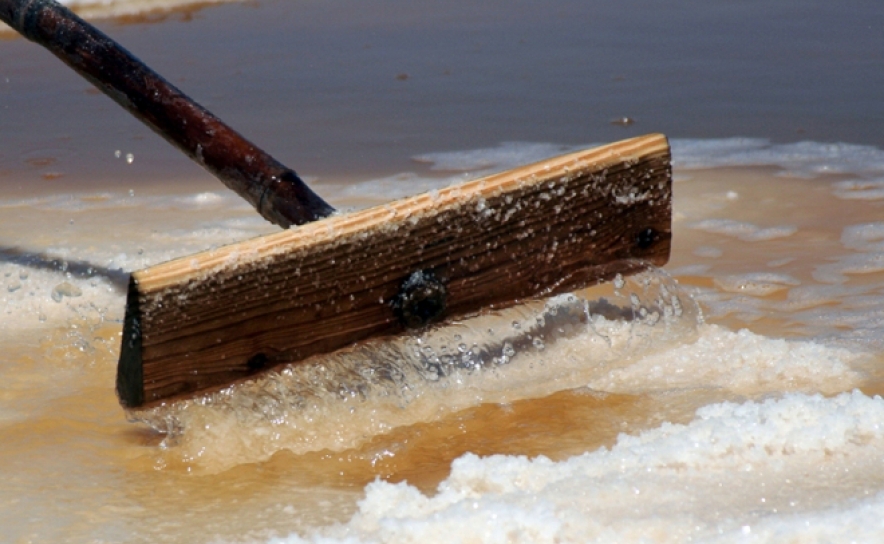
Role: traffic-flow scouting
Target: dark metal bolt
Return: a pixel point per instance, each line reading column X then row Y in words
column 257, row 362
column 645, row 238
column 421, row 299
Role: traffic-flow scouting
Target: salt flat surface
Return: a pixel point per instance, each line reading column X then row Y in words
column 768, row 471
column 752, row 417
column 767, row 466
column 732, row 397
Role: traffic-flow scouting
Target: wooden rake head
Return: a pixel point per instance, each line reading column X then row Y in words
column 207, row 320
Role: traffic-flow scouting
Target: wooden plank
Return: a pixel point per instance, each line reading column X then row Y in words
column 208, row 320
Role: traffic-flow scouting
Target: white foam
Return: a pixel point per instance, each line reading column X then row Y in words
column 741, row 362
column 744, row 231
column 118, row 8
column 709, row 252
column 737, row 469
column 75, row 248
column 800, row 159
column 809, row 296
column 336, row 409
column 99, row 9
column 864, row 237
column 502, row 157
column 691, row 270
column 398, row 186
column 717, row 304
column 852, row 264
column 460, row 166
column 872, row 189
column 757, row 284
column 338, row 401
column 776, row 263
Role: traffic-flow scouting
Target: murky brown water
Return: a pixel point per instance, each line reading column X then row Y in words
column 75, row 470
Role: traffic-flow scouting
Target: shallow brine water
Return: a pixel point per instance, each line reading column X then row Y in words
column 729, row 396
column 293, row 453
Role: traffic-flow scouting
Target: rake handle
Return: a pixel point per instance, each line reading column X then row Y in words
column 276, row 191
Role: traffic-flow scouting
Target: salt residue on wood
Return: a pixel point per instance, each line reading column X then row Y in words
column 541, row 229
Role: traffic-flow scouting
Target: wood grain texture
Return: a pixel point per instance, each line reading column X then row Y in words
column 208, row 320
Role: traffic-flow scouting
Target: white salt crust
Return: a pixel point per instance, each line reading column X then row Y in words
column 801, row 159
column 738, row 471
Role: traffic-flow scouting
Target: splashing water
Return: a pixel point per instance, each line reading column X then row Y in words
column 338, row 401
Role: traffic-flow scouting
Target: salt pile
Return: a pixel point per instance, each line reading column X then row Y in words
column 738, row 471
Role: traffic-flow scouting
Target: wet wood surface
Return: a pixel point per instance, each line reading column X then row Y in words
column 211, row 319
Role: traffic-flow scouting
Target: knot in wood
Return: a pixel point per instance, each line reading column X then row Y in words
column 421, row 299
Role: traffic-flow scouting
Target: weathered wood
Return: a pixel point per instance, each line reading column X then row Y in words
column 208, row 320
column 276, row 192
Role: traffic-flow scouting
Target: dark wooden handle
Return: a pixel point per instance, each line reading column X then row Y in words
column 276, row 191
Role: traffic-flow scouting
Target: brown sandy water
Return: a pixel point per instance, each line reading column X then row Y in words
column 74, row 470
